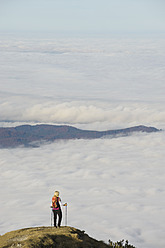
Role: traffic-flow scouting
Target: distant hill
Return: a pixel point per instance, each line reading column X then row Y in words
column 63, row 237
column 28, row 135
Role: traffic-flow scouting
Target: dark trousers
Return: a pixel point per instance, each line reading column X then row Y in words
column 59, row 213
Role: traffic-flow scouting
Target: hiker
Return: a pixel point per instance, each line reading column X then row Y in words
column 56, row 208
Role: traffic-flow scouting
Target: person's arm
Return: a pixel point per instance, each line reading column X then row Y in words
column 60, row 201
column 65, row 204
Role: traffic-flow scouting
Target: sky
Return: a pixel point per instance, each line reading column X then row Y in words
column 98, row 82
column 88, row 16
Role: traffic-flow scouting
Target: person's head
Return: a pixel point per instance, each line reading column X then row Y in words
column 56, row 193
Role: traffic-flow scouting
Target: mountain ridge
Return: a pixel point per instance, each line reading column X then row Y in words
column 27, row 135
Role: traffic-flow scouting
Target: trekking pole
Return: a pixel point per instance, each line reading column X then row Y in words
column 65, row 213
column 51, row 216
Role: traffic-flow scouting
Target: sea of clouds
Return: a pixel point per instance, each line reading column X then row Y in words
column 114, row 187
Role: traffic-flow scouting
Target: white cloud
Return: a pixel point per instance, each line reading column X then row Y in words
column 89, row 114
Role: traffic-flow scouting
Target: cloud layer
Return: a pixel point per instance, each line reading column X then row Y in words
column 118, row 82
column 89, row 114
column 102, row 69
column 113, row 185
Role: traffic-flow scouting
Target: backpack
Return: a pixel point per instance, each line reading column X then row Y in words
column 55, row 203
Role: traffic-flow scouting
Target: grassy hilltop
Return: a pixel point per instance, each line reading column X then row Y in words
column 64, row 237
column 51, row 237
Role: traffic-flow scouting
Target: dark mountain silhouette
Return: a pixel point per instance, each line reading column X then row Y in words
column 28, row 135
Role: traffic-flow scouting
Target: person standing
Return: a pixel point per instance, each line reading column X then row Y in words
column 57, row 208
